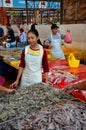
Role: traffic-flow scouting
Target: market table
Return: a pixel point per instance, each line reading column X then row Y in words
column 79, row 72
column 10, row 56
column 14, row 64
column 62, row 65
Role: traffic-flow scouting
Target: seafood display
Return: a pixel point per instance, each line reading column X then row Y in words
column 67, row 116
column 56, row 76
column 29, row 99
column 8, row 53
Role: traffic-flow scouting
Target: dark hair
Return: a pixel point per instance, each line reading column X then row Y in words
column 21, row 30
column 34, row 31
column 8, row 24
column 33, row 26
column 54, row 26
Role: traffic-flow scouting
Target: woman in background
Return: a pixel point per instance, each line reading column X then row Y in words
column 1, row 32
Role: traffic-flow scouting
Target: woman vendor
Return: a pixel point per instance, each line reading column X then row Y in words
column 33, row 59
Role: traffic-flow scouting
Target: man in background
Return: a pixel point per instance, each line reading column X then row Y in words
column 1, row 32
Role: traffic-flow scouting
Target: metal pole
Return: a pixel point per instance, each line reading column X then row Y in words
column 26, row 10
column 61, row 11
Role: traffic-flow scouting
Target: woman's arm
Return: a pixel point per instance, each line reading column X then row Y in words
column 19, row 74
column 4, row 89
column 45, row 66
column 15, row 84
column 80, row 85
column 21, row 66
column 47, row 43
column 46, row 77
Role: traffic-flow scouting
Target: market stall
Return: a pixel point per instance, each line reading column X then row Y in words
column 41, row 106
column 29, row 99
column 78, row 53
column 12, row 55
column 9, row 57
column 60, row 74
column 36, row 107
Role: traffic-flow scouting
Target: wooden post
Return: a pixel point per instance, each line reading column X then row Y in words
column 61, row 11
column 3, row 16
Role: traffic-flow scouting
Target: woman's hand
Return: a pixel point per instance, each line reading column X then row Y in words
column 79, row 85
column 48, row 82
column 10, row 90
column 14, row 85
column 68, row 89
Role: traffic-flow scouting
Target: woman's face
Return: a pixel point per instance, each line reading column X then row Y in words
column 32, row 38
column 54, row 30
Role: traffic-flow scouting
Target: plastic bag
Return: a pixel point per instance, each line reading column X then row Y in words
column 73, row 62
column 67, row 38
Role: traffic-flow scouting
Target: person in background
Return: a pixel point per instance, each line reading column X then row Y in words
column 23, row 37
column 1, row 32
column 32, row 26
column 8, row 90
column 54, row 42
column 33, row 59
column 10, row 35
column 18, row 34
column 19, row 28
column 26, row 27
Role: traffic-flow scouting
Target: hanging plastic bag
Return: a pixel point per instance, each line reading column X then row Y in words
column 67, row 38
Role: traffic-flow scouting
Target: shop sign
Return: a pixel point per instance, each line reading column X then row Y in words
column 19, row 4
column 7, row 3
column 30, row 4
column 14, row 12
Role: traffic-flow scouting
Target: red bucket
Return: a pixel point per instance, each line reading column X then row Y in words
column 2, row 80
